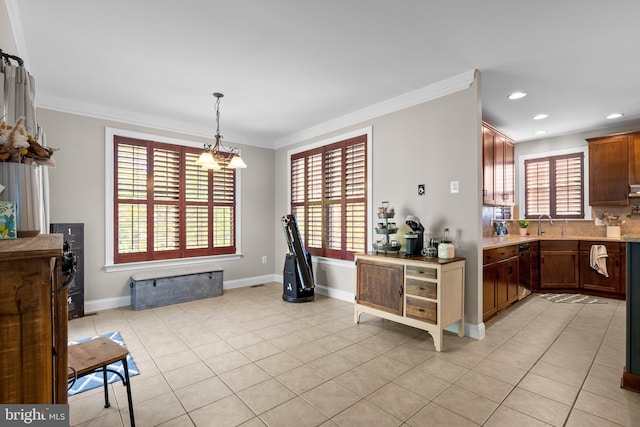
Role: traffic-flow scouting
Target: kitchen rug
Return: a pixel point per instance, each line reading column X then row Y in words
column 572, row 298
column 94, row 380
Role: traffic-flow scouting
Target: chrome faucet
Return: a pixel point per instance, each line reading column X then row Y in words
column 540, row 223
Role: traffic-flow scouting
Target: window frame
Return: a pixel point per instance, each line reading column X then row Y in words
column 110, row 232
column 552, row 158
column 328, row 254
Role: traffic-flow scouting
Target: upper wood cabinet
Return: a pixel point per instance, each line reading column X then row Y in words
column 498, row 168
column 634, row 158
column 609, row 171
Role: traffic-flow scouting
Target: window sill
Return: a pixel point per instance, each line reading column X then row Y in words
column 132, row 266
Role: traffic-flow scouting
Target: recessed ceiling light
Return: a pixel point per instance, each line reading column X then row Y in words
column 540, row 132
column 615, row 115
column 517, row 95
column 540, row 116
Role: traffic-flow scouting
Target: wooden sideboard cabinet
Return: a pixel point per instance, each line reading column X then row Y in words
column 33, row 322
column 421, row 292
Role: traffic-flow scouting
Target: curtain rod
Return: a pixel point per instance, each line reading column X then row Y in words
column 6, row 57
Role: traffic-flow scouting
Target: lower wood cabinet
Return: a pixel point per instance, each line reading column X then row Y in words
column 489, row 301
column 500, row 279
column 559, row 264
column 421, row 292
column 616, row 268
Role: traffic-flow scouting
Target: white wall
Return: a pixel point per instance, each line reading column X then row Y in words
column 432, row 143
column 77, row 187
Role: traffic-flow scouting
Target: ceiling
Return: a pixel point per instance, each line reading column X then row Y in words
column 286, row 66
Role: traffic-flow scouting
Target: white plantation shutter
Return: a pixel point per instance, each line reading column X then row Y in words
column 131, row 190
column 166, row 206
column 538, row 187
column 196, row 195
column 356, row 197
column 224, row 208
column 554, row 186
column 569, row 192
column 328, row 198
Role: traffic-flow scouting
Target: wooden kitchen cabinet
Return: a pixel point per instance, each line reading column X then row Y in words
column 498, row 163
column 488, row 166
column 421, row 292
column 591, row 280
column 634, row 158
column 609, row 170
column 489, row 300
column 559, row 264
column 499, row 279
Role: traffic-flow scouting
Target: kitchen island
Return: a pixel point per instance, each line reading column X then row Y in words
column 631, row 374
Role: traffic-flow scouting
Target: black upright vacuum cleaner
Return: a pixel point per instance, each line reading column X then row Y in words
column 298, row 283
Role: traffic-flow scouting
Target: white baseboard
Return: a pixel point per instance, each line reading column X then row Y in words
column 107, row 303
column 251, row 281
column 474, row 331
column 336, row 293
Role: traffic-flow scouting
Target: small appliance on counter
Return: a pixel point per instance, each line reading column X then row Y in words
column 446, row 249
column 414, row 237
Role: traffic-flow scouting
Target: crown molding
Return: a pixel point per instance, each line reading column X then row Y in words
column 433, row 91
column 66, row 105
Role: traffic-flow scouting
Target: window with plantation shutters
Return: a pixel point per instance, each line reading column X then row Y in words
column 554, row 186
column 329, row 198
column 166, row 206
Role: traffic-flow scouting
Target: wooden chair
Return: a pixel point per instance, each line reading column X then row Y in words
column 95, row 355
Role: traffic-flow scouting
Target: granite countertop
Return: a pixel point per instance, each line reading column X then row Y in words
column 510, row 239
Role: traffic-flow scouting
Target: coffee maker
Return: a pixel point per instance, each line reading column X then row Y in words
column 415, row 237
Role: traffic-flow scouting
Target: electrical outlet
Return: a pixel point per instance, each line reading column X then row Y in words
column 264, row 259
column 454, row 186
column 421, row 190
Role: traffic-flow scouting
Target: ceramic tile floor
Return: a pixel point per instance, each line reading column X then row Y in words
column 248, row 358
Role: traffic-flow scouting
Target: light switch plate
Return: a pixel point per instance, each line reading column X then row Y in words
column 454, row 186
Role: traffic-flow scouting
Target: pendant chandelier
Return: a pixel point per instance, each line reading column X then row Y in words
column 218, row 156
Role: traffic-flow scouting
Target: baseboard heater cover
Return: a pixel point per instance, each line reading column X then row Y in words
column 160, row 288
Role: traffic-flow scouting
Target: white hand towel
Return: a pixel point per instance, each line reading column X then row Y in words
column 598, row 259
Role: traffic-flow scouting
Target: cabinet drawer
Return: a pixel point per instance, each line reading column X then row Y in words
column 506, row 252
column 558, row 245
column 420, row 309
column 585, row 245
column 422, row 288
column 490, row 256
column 422, row 271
